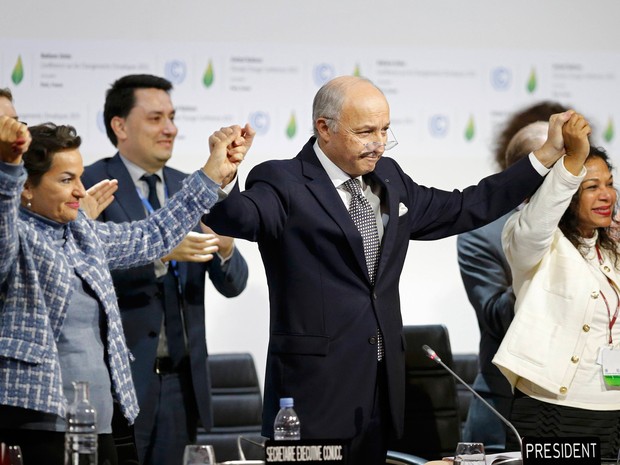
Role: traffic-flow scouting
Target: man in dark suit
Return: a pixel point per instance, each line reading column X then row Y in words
column 336, row 342
column 162, row 304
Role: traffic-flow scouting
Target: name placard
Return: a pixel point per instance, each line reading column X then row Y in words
column 315, row 451
column 573, row 450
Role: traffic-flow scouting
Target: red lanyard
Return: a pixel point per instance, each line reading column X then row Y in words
column 612, row 321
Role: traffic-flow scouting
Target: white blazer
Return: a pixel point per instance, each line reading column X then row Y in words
column 556, row 293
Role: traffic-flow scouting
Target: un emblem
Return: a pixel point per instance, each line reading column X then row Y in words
column 501, row 78
column 438, row 126
column 175, row 71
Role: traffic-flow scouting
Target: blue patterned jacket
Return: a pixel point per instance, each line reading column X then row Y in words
column 35, row 286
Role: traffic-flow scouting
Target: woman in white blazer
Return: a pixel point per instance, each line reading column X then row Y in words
column 566, row 278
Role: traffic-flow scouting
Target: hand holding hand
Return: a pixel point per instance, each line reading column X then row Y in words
column 228, row 148
column 195, row 247
column 553, row 148
column 14, row 140
column 99, row 197
column 575, row 133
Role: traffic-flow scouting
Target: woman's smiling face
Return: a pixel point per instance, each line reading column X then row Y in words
column 58, row 194
column 597, row 197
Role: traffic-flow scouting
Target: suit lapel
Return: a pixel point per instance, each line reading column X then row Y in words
column 391, row 200
column 173, row 180
column 126, row 196
column 323, row 190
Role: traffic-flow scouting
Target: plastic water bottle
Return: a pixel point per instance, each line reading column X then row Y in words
column 286, row 426
column 81, row 434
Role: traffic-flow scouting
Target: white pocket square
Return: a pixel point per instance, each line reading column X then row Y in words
column 402, row 209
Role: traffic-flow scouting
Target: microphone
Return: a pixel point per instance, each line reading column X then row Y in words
column 430, row 353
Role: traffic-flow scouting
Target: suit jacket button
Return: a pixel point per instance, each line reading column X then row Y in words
column 374, row 295
column 152, row 334
column 372, row 340
column 574, row 359
column 563, row 390
column 586, row 328
column 594, row 294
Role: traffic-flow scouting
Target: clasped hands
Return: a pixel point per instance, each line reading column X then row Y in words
column 568, row 135
column 200, row 247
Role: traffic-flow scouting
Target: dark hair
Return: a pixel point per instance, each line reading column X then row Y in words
column 538, row 112
column 47, row 140
column 120, row 98
column 7, row 94
column 569, row 223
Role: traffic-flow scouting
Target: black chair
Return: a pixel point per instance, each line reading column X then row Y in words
column 432, row 422
column 237, row 408
column 466, row 366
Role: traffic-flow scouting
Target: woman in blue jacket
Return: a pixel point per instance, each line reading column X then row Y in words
column 59, row 318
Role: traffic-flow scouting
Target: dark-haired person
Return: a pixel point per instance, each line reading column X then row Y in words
column 566, row 271
column 162, row 303
column 59, row 317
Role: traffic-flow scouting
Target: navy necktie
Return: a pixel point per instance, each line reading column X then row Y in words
column 172, row 309
column 152, row 180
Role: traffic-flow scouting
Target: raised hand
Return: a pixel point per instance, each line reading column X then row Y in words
column 575, row 133
column 14, row 140
column 99, row 197
column 553, row 148
column 228, row 148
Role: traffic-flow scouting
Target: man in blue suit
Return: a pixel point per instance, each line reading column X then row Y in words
column 162, row 304
column 336, row 342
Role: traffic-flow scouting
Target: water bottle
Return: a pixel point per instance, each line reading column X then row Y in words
column 81, row 434
column 286, row 426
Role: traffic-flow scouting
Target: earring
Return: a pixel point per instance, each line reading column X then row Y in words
column 29, row 204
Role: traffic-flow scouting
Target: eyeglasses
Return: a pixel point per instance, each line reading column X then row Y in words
column 372, row 145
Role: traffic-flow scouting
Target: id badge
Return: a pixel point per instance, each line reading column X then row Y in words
column 610, row 361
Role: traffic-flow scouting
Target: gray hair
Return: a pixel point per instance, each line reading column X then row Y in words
column 329, row 100
column 525, row 141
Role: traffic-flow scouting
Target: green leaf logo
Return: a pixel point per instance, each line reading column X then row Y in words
column 207, row 77
column 356, row 71
column 531, row 82
column 291, row 127
column 18, row 71
column 608, row 135
column 470, row 129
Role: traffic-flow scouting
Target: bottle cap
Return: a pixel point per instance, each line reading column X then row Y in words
column 286, row 402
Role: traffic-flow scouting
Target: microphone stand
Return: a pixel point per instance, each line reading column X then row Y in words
column 430, row 353
column 240, row 449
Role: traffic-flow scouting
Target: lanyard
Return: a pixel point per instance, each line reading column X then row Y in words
column 147, row 205
column 612, row 321
column 149, row 208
